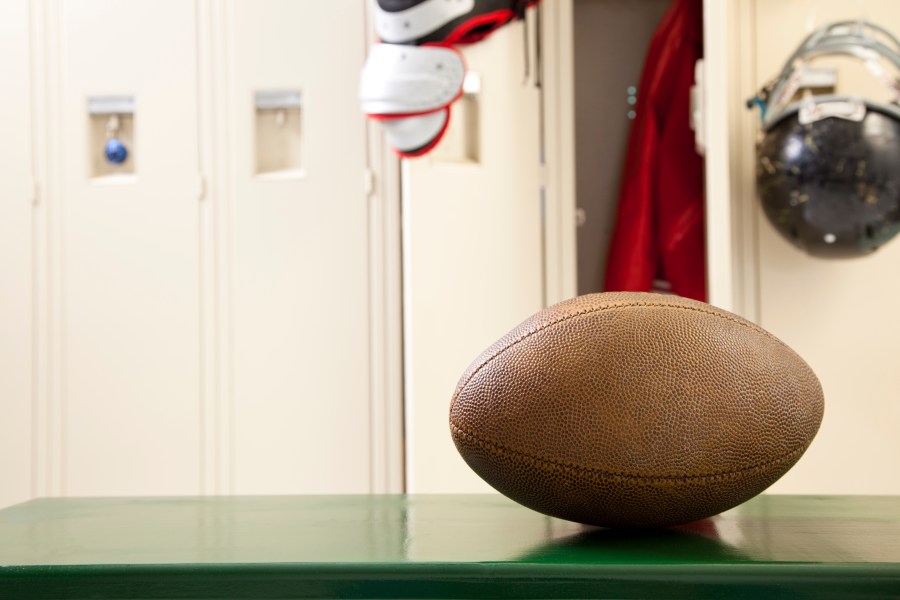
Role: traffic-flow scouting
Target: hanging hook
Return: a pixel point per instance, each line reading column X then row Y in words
column 114, row 150
column 112, row 126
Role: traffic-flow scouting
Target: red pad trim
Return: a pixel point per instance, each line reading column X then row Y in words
column 391, row 116
column 491, row 22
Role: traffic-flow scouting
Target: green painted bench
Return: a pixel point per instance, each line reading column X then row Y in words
column 439, row 547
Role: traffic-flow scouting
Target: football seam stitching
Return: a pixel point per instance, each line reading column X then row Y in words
column 581, row 313
column 574, row 467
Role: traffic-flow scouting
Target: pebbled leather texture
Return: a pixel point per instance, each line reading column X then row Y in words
column 635, row 410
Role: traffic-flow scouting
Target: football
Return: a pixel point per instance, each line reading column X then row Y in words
column 635, row 410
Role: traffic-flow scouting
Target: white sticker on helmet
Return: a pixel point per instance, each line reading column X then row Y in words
column 851, row 109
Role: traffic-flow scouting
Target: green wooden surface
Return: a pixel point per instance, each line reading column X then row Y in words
column 439, row 547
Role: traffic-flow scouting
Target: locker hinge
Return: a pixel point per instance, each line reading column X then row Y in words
column 201, row 186
column 368, row 182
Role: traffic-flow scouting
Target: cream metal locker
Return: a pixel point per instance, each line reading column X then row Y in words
column 473, row 247
column 124, row 280
column 220, row 312
column 837, row 314
column 17, row 194
column 840, row 315
column 303, row 412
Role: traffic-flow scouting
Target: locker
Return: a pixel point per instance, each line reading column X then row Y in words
column 16, row 254
column 300, row 268
column 473, row 247
column 125, row 285
column 838, row 314
column 219, row 311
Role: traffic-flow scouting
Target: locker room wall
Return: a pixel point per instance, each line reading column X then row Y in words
column 840, row 316
column 197, row 328
column 63, row 432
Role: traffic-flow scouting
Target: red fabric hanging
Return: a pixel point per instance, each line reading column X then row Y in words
column 659, row 231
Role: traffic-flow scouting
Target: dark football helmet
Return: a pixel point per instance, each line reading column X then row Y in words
column 828, row 166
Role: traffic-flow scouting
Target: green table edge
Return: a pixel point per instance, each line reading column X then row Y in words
column 440, row 580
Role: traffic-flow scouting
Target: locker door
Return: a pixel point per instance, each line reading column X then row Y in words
column 472, row 250
column 124, row 274
column 300, row 280
column 15, row 256
column 839, row 315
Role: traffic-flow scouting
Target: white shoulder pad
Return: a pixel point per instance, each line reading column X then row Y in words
column 405, row 26
column 414, row 136
column 410, row 80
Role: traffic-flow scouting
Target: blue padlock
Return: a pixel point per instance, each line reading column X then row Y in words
column 116, row 152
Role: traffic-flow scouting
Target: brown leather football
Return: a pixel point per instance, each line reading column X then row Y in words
column 635, row 410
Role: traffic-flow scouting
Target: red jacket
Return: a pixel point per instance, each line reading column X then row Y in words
column 659, row 231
